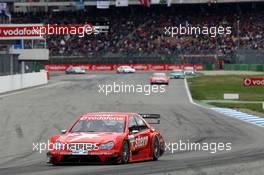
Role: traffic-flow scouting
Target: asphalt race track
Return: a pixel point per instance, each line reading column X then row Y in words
column 33, row 115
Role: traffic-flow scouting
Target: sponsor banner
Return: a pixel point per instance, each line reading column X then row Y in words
column 56, row 67
column 102, row 117
column 253, row 81
column 17, row 31
column 174, row 66
column 141, row 66
column 158, row 66
column 102, row 67
column 198, row 66
column 113, row 67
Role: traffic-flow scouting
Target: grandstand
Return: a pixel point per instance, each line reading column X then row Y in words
column 136, row 33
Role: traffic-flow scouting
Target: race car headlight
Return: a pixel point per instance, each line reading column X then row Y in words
column 107, row 146
column 58, row 145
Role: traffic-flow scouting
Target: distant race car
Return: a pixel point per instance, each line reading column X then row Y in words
column 177, row 73
column 159, row 78
column 108, row 137
column 189, row 71
column 75, row 70
column 125, row 69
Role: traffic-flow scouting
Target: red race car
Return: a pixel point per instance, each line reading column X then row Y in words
column 159, row 78
column 110, row 137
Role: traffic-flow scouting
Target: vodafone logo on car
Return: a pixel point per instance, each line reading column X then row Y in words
column 253, row 81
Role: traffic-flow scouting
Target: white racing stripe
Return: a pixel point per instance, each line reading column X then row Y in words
column 241, row 116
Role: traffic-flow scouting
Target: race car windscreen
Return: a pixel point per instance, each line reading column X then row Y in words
column 99, row 126
column 159, row 75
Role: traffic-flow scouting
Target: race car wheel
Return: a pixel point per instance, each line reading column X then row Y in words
column 125, row 153
column 156, row 149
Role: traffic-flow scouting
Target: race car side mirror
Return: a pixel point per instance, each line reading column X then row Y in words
column 63, row 131
column 152, row 129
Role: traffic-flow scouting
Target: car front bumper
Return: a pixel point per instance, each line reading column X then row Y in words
column 92, row 157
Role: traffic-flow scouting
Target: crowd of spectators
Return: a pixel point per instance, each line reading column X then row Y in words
column 138, row 31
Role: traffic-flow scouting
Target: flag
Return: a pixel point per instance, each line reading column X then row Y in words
column 168, row 3
column 103, row 4
column 121, row 3
column 3, row 7
column 155, row 1
column 4, row 10
column 163, row 1
column 80, row 5
column 8, row 14
column 145, row 3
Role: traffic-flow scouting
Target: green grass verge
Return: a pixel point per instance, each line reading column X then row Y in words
column 213, row 87
column 251, row 106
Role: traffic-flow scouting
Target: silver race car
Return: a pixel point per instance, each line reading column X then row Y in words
column 125, row 69
column 75, row 70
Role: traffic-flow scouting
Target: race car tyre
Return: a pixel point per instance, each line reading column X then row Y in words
column 156, row 149
column 125, row 153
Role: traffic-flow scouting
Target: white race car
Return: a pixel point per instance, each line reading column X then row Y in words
column 75, row 70
column 125, row 69
column 189, row 71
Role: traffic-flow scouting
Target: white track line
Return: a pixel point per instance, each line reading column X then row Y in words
column 255, row 120
column 190, row 96
column 32, row 89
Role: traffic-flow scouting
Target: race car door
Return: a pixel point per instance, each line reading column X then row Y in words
column 139, row 138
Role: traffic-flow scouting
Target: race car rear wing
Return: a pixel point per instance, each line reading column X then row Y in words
column 154, row 118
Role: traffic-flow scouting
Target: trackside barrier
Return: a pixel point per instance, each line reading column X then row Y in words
column 244, row 67
column 113, row 67
column 21, row 81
